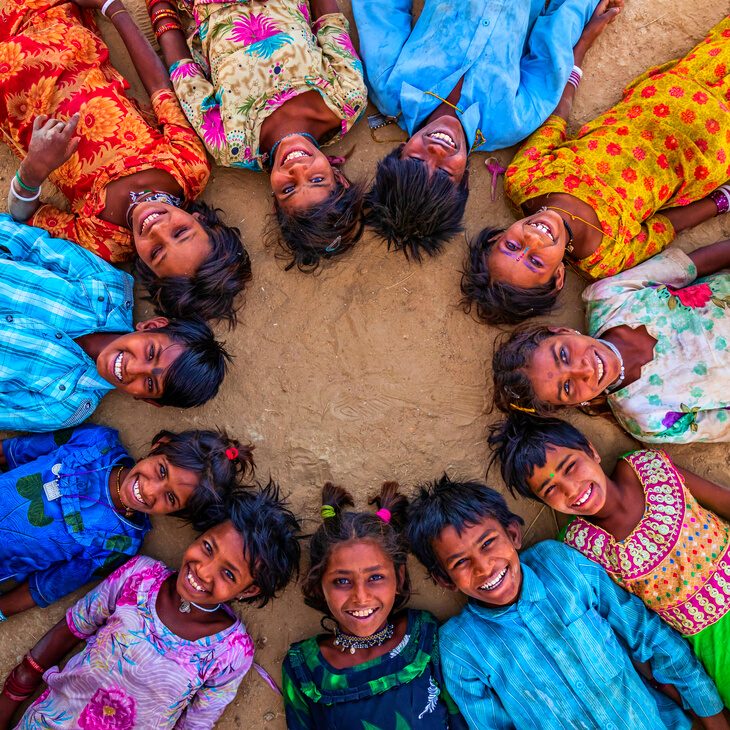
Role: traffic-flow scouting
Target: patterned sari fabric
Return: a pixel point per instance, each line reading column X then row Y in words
column 53, row 61
column 251, row 58
column 676, row 560
column 666, row 144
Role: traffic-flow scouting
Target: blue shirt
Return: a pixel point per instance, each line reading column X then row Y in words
column 52, row 291
column 561, row 656
column 58, row 527
column 514, row 55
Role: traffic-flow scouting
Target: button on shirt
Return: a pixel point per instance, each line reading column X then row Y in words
column 52, row 291
column 515, row 58
column 557, row 658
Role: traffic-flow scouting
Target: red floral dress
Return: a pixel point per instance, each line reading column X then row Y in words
column 54, row 61
column 666, row 144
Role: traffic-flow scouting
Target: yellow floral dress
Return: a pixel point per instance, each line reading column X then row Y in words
column 253, row 56
column 666, row 144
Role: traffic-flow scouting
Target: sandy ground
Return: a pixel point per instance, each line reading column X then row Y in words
column 369, row 371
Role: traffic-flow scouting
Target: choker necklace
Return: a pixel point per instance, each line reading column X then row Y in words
column 185, row 607
column 147, row 196
column 353, row 643
column 616, row 384
column 293, row 134
column 128, row 511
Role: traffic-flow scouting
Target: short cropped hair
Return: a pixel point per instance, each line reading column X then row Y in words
column 197, row 373
column 212, row 290
column 520, row 444
column 270, row 533
column 414, row 212
column 497, row 302
column 458, row 504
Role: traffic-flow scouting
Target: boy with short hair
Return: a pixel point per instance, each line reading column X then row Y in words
column 67, row 337
column 547, row 639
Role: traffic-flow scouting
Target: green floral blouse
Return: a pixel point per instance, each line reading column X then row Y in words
column 683, row 394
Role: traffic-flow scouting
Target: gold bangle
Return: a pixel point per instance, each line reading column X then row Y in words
column 123, row 10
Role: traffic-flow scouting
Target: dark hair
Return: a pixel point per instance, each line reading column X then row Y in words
column 458, row 504
column 211, row 291
column 322, row 231
column 520, row 443
column 498, row 302
column 196, row 374
column 512, row 387
column 413, row 212
column 346, row 526
column 210, row 455
column 270, row 533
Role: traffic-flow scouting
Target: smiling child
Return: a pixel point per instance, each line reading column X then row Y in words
column 548, row 625
column 660, row 531
column 75, row 504
column 162, row 648
column 379, row 668
column 66, row 337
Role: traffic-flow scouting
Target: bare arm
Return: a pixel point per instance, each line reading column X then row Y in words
column 323, row 7
column 710, row 495
column 712, row 258
column 689, row 216
column 172, row 42
column 17, row 600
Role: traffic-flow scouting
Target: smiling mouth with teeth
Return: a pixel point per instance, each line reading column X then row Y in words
column 148, row 219
column 194, row 583
column 545, row 229
column 586, row 496
column 362, row 614
column 137, row 493
column 443, row 137
column 295, row 155
column 600, row 367
column 118, row 366
column 494, row 583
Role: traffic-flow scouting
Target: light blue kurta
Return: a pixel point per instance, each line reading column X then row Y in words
column 514, row 55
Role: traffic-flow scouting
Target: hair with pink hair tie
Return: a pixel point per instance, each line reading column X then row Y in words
column 336, row 160
column 232, row 453
column 384, row 514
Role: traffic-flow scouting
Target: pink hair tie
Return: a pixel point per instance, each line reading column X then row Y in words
column 384, row 514
column 336, row 160
column 232, row 453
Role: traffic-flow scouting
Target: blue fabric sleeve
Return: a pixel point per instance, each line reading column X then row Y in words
column 647, row 637
column 24, row 449
column 59, row 580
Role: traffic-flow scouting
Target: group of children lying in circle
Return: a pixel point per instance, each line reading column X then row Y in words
column 587, row 633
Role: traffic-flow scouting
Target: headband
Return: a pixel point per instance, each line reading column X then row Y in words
column 328, row 511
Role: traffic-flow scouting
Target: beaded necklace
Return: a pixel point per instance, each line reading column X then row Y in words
column 293, row 134
column 353, row 643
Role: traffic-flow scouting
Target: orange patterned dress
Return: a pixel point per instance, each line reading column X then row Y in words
column 666, row 144
column 54, row 61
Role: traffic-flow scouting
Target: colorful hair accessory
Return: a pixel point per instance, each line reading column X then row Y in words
column 334, row 245
column 232, row 453
column 384, row 514
column 328, row 511
column 520, row 408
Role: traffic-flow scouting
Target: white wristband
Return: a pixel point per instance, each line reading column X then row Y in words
column 578, row 70
column 19, row 196
column 105, row 6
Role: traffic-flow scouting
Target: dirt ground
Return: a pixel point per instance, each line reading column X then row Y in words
column 369, row 371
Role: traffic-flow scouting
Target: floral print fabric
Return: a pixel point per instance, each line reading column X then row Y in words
column 53, row 61
column 665, row 144
column 134, row 672
column 682, row 394
column 251, row 58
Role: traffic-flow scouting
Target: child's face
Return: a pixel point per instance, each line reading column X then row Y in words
column 157, row 487
column 441, row 146
column 214, row 569
column 360, row 585
column 570, row 368
column 530, row 252
column 571, row 481
column 482, row 562
column 136, row 363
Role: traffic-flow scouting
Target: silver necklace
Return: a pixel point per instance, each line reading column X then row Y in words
column 353, row 643
column 616, row 384
column 185, row 607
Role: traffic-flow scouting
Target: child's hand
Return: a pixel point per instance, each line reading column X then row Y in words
column 51, row 144
column 606, row 12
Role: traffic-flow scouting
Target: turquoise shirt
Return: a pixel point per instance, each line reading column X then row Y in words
column 514, row 55
column 560, row 658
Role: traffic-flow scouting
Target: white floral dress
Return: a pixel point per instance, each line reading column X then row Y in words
column 251, row 57
column 134, row 673
column 683, row 394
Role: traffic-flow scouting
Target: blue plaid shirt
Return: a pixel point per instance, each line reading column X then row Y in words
column 52, row 291
column 560, row 658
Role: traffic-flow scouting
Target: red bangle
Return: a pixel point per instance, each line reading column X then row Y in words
column 164, row 28
column 33, row 663
column 151, row 3
column 160, row 14
column 17, row 690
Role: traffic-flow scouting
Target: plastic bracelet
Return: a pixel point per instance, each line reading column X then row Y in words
column 3, row 617
column 154, row 2
column 20, row 197
column 160, row 14
column 123, row 10
column 165, row 28
column 105, row 6
column 23, row 185
column 33, row 664
column 721, row 198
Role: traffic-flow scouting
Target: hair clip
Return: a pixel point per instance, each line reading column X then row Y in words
column 334, row 245
column 520, row 408
column 328, row 511
column 384, row 514
column 232, row 453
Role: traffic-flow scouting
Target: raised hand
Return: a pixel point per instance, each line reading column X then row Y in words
column 606, row 12
column 51, row 144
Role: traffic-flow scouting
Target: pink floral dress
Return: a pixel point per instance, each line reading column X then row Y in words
column 134, row 672
column 253, row 56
